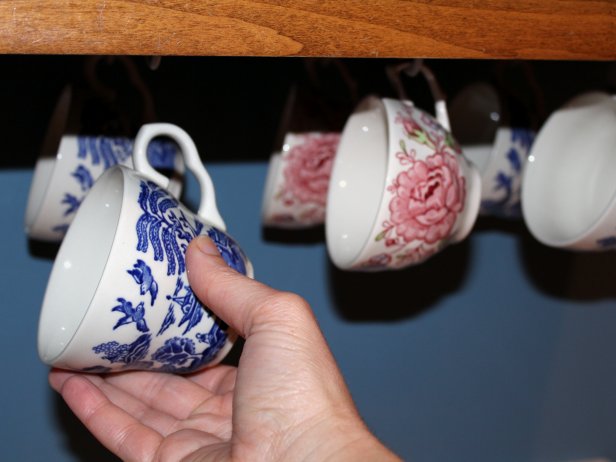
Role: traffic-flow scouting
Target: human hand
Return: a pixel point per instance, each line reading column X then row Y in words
column 285, row 401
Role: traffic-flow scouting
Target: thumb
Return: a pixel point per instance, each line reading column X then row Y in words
column 239, row 301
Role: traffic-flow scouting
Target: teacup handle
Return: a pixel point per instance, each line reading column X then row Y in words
column 207, row 207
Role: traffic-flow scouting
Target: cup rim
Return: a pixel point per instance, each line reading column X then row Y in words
column 81, row 219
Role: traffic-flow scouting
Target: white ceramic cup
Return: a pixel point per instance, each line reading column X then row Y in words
column 569, row 182
column 69, row 165
column 297, row 181
column 500, row 165
column 60, row 184
column 400, row 189
column 118, row 296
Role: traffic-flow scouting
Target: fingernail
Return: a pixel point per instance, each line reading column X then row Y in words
column 206, row 246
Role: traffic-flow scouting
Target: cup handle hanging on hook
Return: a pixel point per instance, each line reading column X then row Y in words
column 536, row 105
column 412, row 69
column 323, row 76
column 285, row 119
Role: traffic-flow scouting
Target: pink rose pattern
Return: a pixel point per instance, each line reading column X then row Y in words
column 426, row 199
column 307, row 169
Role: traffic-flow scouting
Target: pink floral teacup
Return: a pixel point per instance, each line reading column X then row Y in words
column 298, row 179
column 400, row 188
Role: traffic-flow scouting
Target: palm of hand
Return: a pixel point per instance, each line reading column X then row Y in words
column 148, row 416
column 211, row 415
column 286, row 400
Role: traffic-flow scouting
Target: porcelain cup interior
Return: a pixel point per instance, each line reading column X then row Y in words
column 357, row 182
column 568, row 185
column 272, row 180
column 79, row 266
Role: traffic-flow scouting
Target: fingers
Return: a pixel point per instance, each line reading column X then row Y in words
column 115, row 428
column 158, row 420
column 161, row 400
column 238, row 300
column 57, row 377
column 171, row 394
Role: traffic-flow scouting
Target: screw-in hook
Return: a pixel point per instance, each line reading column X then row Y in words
column 153, row 62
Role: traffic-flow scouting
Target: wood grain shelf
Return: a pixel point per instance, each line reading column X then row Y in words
column 501, row 29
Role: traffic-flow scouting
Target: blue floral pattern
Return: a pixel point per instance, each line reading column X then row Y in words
column 229, row 250
column 176, row 352
column 506, row 183
column 164, row 225
column 162, row 234
column 104, row 150
column 142, row 274
column 127, row 353
column 524, row 138
column 83, row 177
column 72, row 203
column 192, row 311
column 608, row 242
column 110, row 151
column 100, row 153
column 132, row 314
column 180, row 355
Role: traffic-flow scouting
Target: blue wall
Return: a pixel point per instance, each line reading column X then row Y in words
column 496, row 349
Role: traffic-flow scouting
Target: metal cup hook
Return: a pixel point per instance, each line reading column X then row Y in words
column 412, row 69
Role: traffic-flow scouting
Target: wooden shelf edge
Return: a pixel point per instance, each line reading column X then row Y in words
column 498, row 29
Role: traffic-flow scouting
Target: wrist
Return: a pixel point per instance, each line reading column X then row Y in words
column 346, row 439
column 367, row 449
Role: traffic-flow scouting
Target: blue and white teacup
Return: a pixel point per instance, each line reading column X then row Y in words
column 118, row 296
column 62, row 180
column 500, row 165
